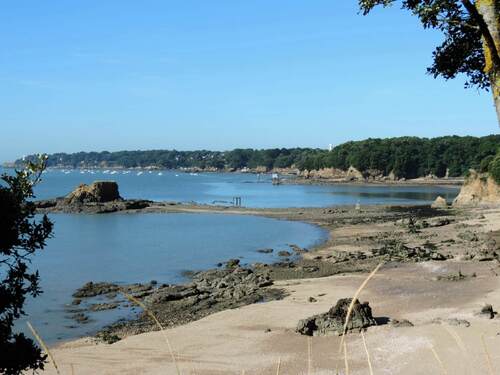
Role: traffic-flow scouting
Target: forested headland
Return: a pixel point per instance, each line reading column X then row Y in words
column 405, row 157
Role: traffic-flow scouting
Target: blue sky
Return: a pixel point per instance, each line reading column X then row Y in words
column 120, row 74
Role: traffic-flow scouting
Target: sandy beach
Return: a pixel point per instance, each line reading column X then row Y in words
column 448, row 335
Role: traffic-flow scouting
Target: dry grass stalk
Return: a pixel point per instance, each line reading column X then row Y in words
column 441, row 364
column 367, row 354
column 278, row 368
column 309, row 355
column 460, row 344
column 43, row 345
column 354, row 298
column 157, row 322
column 346, row 362
column 487, row 354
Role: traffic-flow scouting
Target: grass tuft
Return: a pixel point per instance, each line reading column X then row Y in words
column 157, row 322
column 43, row 345
column 367, row 354
column 351, row 305
column 487, row 354
column 346, row 362
column 441, row 364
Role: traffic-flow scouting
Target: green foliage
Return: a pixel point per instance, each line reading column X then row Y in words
column 494, row 168
column 485, row 163
column 407, row 157
column 21, row 235
column 462, row 49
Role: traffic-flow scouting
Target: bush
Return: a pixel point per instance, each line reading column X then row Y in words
column 494, row 168
column 485, row 163
column 21, row 235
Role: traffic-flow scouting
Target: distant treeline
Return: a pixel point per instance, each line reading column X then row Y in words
column 407, row 157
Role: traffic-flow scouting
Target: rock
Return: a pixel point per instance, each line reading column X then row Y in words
column 46, row 203
column 312, row 299
column 297, row 249
column 398, row 251
column 265, row 251
column 284, row 253
column 353, row 174
column 478, row 189
column 97, row 192
column 91, row 289
column 103, row 306
column 487, row 311
column 439, row 222
column 401, row 323
column 332, row 322
column 458, row 322
column 80, row 318
column 439, row 202
column 232, row 263
column 468, row 236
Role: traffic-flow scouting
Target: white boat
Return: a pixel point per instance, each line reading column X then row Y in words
column 139, row 173
column 160, row 174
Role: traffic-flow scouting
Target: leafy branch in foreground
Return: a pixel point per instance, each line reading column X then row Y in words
column 21, row 235
column 471, row 43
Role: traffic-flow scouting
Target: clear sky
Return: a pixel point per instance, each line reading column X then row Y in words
column 127, row 74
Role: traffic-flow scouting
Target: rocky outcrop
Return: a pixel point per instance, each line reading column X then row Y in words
column 96, row 198
column 97, row 192
column 478, row 189
column 333, row 321
column 440, row 202
column 353, row 174
column 206, row 293
column 325, row 173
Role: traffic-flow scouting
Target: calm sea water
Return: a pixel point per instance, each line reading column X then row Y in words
column 254, row 190
column 127, row 248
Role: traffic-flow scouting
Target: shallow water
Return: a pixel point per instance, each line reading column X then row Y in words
column 254, row 190
column 128, row 248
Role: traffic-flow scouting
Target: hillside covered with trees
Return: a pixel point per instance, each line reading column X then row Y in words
column 407, row 157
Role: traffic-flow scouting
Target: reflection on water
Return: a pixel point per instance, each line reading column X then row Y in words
column 126, row 248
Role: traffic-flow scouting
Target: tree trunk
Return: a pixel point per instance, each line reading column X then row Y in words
column 490, row 11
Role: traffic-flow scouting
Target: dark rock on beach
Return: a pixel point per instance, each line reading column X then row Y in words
column 207, row 292
column 333, row 321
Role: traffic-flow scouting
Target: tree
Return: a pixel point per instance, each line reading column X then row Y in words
column 472, row 38
column 21, row 235
column 494, row 168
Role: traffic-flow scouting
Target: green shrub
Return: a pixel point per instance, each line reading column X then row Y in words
column 485, row 163
column 494, row 168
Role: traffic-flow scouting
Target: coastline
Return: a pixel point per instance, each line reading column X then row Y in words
column 457, row 299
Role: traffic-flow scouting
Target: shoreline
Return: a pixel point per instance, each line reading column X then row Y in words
column 422, row 291
column 305, row 263
column 289, row 176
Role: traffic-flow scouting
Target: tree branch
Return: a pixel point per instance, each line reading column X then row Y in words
column 483, row 27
